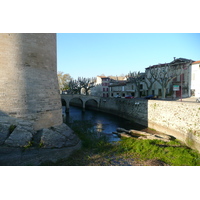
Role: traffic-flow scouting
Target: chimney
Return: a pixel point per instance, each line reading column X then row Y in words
column 174, row 58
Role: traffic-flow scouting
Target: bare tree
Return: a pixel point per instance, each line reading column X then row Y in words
column 148, row 81
column 86, row 84
column 165, row 73
column 136, row 78
column 81, row 83
column 74, row 87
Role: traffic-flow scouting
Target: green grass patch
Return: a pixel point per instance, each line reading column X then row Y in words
column 172, row 153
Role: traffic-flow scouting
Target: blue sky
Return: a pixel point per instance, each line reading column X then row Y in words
column 92, row 54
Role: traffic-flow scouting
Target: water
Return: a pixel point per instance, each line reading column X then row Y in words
column 102, row 122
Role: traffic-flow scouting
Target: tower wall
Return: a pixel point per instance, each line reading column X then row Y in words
column 28, row 79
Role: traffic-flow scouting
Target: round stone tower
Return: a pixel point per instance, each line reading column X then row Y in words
column 28, row 83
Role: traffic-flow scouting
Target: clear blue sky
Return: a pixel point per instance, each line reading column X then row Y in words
column 92, row 54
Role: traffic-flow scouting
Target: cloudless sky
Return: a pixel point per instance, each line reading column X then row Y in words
column 92, row 54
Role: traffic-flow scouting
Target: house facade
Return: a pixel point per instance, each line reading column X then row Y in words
column 177, row 79
column 101, row 87
column 174, row 77
column 195, row 79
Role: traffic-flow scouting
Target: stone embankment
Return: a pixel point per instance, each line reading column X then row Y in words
column 178, row 119
column 20, row 144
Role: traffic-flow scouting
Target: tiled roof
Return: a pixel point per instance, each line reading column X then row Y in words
column 159, row 65
column 196, row 62
column 103, row 76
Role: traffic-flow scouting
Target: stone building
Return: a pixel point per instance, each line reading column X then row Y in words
column 102, row 85
column 180, row 69
column 117, row 88
column 185, row 83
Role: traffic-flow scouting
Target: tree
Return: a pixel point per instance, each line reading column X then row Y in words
column 86, row 84
column 75, row 86
column 136, row 78
column 148, row 80
column 63, row 80
column 165, row 73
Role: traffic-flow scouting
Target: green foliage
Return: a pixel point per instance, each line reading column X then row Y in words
column 41, row 144
column 30, row 143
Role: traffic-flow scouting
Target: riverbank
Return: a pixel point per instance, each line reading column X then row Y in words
column 88, row 157
column 127, row 152
column 124, row 155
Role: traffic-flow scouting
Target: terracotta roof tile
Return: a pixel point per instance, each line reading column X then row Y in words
column 196, row 62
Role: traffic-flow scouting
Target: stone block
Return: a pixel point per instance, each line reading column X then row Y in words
column 51, row 139
column 4, row 132
column 19, row 138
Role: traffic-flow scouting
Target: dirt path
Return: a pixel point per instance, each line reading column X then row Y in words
column 87, row 158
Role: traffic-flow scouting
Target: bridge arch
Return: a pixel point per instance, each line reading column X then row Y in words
column 84, row 98
column 77, row 101
column 92, row 103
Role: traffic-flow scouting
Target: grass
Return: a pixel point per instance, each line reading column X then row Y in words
column 172, row 153
column 96, row 151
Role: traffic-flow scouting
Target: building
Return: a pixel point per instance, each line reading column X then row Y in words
column 117, row 88
column 170, row 79
column 195, row 79
column 102, row 85
column 176, row 79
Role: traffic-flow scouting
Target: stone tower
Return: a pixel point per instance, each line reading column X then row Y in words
column 30, row 103
column 28, row 82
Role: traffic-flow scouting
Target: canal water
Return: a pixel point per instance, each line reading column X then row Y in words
column 102, row 122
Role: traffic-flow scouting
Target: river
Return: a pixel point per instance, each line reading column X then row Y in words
column 102, row 122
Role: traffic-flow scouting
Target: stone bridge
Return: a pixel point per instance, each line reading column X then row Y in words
column 84, row 98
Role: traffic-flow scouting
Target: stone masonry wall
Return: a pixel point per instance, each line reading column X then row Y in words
column 28, row 82
column 179, row 119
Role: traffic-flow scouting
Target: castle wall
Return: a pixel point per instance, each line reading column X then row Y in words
column 28, row 82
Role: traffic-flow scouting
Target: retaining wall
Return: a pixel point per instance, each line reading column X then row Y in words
column 179, row 119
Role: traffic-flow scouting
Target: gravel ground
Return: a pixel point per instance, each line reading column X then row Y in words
column 88, row 158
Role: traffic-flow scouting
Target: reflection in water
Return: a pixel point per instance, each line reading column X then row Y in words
column 103, row 122
column 98, row 126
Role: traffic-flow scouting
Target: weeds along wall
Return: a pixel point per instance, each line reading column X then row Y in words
column 179, row 119
column 28, row 82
